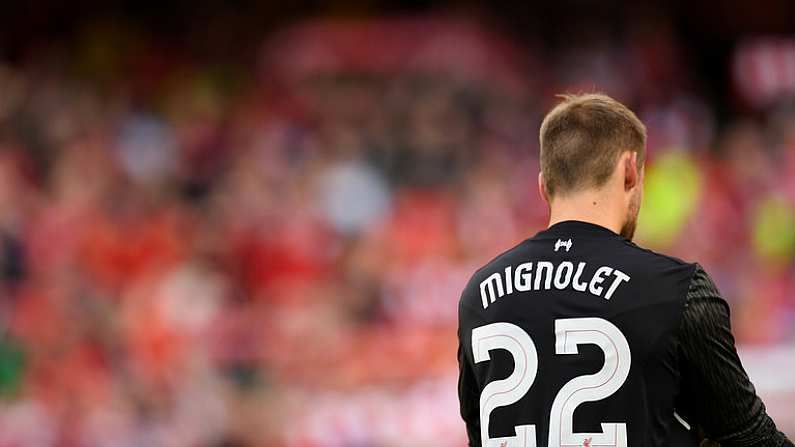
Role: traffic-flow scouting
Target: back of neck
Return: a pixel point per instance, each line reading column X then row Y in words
column 589, row 207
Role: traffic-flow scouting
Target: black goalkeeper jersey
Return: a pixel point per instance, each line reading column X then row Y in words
column 578, row 337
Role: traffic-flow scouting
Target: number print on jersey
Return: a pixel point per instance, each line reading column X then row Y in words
column 500, row 393
column 569, row 333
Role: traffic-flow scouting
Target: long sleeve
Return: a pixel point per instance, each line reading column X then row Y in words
column 720, row 397
column 468, row 392
column 468, row 398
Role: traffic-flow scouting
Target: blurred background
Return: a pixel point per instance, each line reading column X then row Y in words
column 248, row 224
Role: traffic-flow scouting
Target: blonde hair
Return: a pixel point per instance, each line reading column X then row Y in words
column 581, row 139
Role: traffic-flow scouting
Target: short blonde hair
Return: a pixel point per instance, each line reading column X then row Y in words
column 581, row 139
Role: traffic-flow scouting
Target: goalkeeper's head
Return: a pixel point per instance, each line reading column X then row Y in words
column 592, row 153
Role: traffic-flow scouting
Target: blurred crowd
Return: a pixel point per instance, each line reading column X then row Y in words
column 273, row 256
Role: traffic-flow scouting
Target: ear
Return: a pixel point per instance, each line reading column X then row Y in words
column 542, row 188
column 631, row 173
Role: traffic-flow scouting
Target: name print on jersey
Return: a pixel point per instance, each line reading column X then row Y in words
column 545, row 275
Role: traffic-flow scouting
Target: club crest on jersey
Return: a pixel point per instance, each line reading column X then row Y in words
column 560, row 243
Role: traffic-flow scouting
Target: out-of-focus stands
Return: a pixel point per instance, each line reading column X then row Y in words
column 196, row 258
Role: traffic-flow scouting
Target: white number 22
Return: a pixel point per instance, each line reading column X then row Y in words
column 569, row 333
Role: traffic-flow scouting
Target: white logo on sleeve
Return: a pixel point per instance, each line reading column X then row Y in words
column 560, row 243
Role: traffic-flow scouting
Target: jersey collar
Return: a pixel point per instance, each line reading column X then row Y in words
column 568, row 227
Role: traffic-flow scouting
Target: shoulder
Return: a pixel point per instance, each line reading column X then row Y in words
column 651, row 255
column 656, row 265
column 471, row 291
column 662, row 277
column 703, row 295
column 501, row 259
column 706, row 313
column 701, row 284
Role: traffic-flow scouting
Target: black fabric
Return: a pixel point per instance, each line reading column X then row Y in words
column 659, row 310
column 717, row 394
